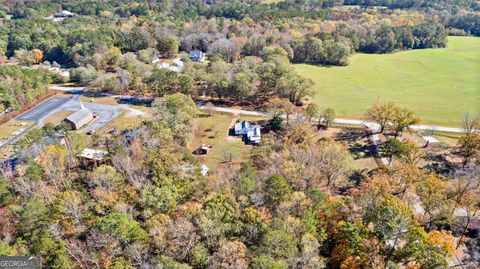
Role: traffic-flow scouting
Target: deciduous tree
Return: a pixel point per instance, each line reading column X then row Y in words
column 312, row 111
column 167, row 45
column 392, row 148
column 328, row 115
column 382, row 113
column 403, row 119
column 469, row 147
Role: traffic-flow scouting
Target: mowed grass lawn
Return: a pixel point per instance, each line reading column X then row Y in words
column 214, row 130
column 438, row 84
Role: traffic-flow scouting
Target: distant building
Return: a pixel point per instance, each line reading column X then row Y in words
column 64, row 14
column 80, row 118
column 241, row 128
column 196, row 56
column 93, row 154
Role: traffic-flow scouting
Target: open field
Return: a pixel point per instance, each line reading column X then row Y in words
column 438, row 84
column 9, row 130
column 213, row 130
column 352, row 139
column 105, row 100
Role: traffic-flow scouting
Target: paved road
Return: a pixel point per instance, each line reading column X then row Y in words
column 340, row 121
column 42, row 109
column 13, row 139
column 35, row 114
column 68, row 89
column 39, row 113
column 106, row 113
column 264, row 114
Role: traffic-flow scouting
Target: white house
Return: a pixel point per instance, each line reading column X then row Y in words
column 252, row 132
column 196, row 56
column 254, row 135
column 241, row 128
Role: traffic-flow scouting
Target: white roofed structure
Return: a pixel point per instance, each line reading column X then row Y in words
column 254, row 135
column 64, row 14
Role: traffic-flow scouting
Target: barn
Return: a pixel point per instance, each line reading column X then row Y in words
column 80, row 118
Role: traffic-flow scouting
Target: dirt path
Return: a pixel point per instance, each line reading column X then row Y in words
column 232, row 125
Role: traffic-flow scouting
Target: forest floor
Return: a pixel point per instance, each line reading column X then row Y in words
column 440, row 85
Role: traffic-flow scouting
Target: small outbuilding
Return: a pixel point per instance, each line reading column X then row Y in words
column 196, row 56
column 202, row 150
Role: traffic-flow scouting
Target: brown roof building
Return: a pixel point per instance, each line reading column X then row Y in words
column 80, row 118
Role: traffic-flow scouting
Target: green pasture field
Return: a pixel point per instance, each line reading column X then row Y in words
column 440, row 85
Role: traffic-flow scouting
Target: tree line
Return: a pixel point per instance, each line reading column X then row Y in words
column 21, row 86
column 333, row 36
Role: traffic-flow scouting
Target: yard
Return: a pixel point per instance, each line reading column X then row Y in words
column 438, row 84
column 214, row 130
column 125, row 120
column 356, row 141
column 9, row 130
column 57, row 117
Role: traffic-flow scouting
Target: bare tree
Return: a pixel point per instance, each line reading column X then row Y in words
column 230, row 255
column 333, row 162
column 73, row 207
column 134, row 171
column 53, row 162
column 225, row 155
column 106, row 243
column 81, row 254
column 181, row 237
column 470, row 123
column 139, row 254
column 6, row 170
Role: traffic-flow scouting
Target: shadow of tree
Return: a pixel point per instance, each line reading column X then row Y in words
column 350, row 135
column 357, row 176
column 360, row 151
column 355, row 139
column 438, row 164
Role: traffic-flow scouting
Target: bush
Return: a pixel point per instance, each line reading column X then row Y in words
column 83, row 75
